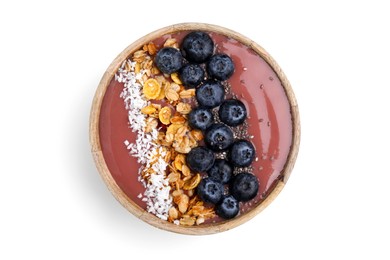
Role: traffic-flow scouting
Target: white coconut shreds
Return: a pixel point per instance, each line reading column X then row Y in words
column 148, row 153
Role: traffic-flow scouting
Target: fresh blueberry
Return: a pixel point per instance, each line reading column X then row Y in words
column 200, row 159
column 168, row 60
column 200, row 118
column 191, row 75
column 210, row 191
column 197, row 47
column 244, row 186
column 242, row 153
column 227, row 208
column 221, row 171
column 210, row 94
column 232, row 112
column 218, row 137
column 220, row 67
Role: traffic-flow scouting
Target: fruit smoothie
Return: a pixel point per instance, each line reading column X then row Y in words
column 267, row 127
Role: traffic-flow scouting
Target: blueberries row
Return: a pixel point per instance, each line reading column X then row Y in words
column 242, row 187
column 197, row 48
column 232, row 112
column 240, row 154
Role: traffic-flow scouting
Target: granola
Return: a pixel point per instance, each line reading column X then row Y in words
column 166, row 106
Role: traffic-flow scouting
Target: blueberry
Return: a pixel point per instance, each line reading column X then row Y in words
column 191, row 75
column 200, row 118
column 218, row 137
column 197, row 47
column 220, row 67
column 221, row 171
column 227, row 208
column 168, row 60
column 210, row 94
column 232, row 112
column 210, row 191
column 244, row 186
column 242, row 153
column 200, row 159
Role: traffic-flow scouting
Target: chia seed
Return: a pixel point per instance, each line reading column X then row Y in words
column 238, row 170
column 241, row 131
column 228, row 89
column 214, row 111
column 221, row 155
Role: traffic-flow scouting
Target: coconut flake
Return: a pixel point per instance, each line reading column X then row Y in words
column 145, row 149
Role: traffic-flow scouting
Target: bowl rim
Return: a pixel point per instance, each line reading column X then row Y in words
column 94, row 135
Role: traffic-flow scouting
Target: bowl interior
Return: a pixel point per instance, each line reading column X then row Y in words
column 110, row 157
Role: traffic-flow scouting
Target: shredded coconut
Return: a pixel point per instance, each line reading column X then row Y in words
column 157, row 190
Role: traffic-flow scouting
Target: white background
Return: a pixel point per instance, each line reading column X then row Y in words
column 53, row 203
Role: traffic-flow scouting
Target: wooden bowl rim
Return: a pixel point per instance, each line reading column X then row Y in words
column 109, row 180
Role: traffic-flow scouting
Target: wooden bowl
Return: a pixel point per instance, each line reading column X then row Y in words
column 120, row 195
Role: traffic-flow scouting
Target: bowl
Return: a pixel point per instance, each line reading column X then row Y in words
column 273, row 116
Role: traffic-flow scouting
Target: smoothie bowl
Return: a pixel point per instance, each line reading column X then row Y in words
column 194, row 128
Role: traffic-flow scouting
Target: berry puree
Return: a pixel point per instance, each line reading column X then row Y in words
column 253, row 82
